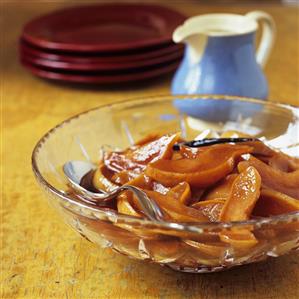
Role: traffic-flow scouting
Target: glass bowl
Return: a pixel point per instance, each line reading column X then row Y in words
column 189, row 247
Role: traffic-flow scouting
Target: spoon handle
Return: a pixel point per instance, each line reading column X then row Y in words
column 211, row 141
column 149, row 206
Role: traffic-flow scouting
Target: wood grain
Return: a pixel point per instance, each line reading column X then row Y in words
column 40, row 256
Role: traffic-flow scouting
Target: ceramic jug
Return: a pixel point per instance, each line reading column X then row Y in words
column 220, row 55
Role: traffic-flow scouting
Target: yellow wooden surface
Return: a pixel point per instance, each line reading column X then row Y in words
column 40, row 256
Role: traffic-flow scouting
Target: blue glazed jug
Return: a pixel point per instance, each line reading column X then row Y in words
column 220, row 55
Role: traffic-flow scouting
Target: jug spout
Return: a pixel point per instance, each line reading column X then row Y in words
column 196, row 41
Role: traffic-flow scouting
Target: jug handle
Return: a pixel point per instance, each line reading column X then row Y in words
column 268, row 35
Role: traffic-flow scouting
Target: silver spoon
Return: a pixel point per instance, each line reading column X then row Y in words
column 76, row 170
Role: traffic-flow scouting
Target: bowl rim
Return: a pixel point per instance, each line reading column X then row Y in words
column 194, row 227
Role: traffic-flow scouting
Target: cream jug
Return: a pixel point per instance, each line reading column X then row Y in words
column 220, row 55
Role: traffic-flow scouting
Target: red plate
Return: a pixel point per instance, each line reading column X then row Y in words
column 100, row 57
column 99, row 66
column 102, row 79
column 106, row 27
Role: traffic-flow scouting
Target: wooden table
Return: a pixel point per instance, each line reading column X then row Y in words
column 41, row 257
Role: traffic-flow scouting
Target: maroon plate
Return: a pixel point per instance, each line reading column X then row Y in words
column 101, row 79
column 99, row 66
column 106, row 27
column 100, row 57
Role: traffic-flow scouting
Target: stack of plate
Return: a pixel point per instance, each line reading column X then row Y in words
column 108, row 43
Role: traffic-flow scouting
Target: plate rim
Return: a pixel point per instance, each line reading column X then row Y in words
column 101, row 66
column 101, row 79
column 44, row 43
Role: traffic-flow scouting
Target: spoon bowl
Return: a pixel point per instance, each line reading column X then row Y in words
column 75, row 172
